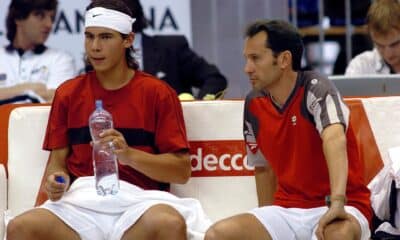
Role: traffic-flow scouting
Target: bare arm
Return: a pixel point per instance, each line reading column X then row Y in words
column 266, row 185
column 48, row 95
column 57, row 167
column 335, row 151
column 19, row 89
column 165, row 167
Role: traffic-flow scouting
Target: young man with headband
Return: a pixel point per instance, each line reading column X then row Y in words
column 149, row 140
column 171, row 59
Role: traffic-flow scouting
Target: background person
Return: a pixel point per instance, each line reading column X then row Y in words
column 298, row 137
column 30, row 71
column 383, row 21
column 150, row 141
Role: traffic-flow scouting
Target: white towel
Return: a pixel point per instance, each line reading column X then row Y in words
column 130, row 202
column 380, row 188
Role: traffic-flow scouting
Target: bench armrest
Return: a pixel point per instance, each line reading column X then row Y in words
column 3, row 198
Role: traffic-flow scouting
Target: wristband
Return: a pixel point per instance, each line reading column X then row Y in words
column 329, row 199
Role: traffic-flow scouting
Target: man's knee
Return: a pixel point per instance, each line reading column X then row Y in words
column 219, row 230
column 165, row 220
column 340, row 232
column 212, row 233
column 18, row 229
column 171, row 222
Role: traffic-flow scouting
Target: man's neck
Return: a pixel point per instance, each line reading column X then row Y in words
column 116, row 78
column 282, row 90
column 21, row 43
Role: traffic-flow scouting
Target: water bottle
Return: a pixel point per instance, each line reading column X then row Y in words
column 104, row 160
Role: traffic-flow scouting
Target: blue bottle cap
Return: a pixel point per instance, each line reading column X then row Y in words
column 60, row 179
column 99, row 104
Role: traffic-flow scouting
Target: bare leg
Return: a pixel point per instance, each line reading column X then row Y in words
column 38, row 224
column 244, row 226
column 349, row 229
column 160, row 222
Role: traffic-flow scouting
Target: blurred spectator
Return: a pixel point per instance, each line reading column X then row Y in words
column 307, row 15
column 383, row 20
column 29, row 71
column 169, row 58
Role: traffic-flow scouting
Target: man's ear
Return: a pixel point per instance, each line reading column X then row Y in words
column 285, row 59
column 128, row 41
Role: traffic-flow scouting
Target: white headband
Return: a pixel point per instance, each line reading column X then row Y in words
column 108, row 18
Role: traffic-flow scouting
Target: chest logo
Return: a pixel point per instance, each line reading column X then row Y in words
column 314, row 81
column 294, row 120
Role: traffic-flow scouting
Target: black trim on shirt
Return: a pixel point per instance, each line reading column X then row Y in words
column 299, row 83
column 20, row 98
column 39, row 49
column 133, row 136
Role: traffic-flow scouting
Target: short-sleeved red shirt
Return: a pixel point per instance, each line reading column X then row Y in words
column 146, row 111
column 288, row 140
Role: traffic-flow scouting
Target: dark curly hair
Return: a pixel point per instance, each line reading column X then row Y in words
column 20, row 9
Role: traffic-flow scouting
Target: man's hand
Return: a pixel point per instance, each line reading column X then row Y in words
column 118, row 143
column 56, row 185
column 334, row 213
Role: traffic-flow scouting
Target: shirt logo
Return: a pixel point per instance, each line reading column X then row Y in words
column 253, row 146
column 315, row 103
column 314, row 81
column 294, row 120
column 250, row 139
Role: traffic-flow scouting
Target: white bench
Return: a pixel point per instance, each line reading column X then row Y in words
column 221, row 179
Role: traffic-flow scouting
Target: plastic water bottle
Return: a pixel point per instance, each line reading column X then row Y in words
column 104, row 160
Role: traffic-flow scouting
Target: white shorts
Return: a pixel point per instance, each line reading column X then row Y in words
column 95, row 225
column 108, row 217
column 299, row 223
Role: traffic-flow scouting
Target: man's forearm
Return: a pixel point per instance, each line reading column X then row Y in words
column 9, row 92
column 334, row 146
column 266, row 185
column 57, row 161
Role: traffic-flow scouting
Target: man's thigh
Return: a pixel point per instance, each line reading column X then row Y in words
column 39, row 224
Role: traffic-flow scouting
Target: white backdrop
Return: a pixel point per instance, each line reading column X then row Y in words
column 166, row 17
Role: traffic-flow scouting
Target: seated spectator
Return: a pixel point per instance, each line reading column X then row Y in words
column 169, row 58
column 29, row 71
column 383, row 21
